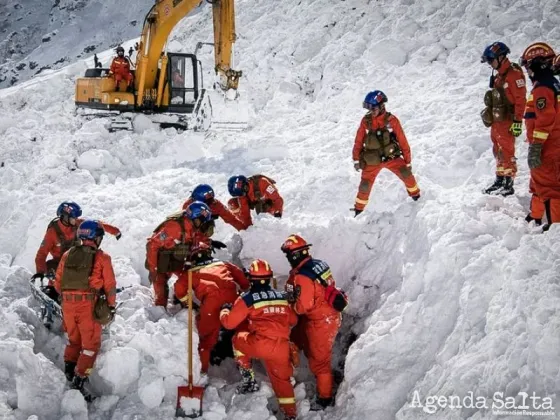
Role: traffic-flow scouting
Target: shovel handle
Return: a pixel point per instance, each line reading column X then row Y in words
column 190, row 326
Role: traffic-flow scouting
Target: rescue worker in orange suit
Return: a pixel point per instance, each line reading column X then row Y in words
column 83, row 272
column 168, row 248
column 258, row 193
column 505, row 103
column 120, row 70
column 263, row 318
column 214, row 284
column 205, row 194
column 59, row 238
column 381, row 143
column 542, row 121
column 318, row 303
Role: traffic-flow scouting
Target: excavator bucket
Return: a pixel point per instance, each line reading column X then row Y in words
column 228, row 114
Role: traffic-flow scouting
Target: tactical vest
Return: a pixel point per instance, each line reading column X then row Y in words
column 78, row 268
column 174, row 258
column 259, row 205
column 380, row 145
column 498, row 107
column 65, row 244
column 320, row 272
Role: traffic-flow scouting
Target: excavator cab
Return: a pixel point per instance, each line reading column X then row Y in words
column 183, row 83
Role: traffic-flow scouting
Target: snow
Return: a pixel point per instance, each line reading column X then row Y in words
column 450, row 295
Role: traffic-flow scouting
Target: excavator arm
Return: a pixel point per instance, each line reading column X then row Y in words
column 223, row 13
column 158, row 24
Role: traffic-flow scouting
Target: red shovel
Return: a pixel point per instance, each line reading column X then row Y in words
column 191, row 396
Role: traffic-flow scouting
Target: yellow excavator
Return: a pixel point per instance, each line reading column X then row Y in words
column 180, row 102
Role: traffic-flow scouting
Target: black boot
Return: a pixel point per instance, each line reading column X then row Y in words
column 248, row 383
column 78, row 383
column 529, row 219
column 507, row 189
column 69, row 368
column 357, row 212
column 321, row 403
column 415, row 197
column 498, row 183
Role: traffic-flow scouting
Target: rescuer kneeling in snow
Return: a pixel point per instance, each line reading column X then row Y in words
column 214, row 284
column 258, row 193
column 168, row 248
column 84, row 271
column 266, row 318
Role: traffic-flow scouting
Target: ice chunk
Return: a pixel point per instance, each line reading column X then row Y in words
column 150, row 388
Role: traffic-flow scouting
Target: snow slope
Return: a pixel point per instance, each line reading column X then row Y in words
column 450, row 295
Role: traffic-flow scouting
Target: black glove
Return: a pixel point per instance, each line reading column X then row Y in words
column 292, row 293
column 278, row 214
column 218, row 245
column 38, row 276
column 118, row 235
column 534, row 156
column 227, row 306
column 112, row 311
column 215, row 217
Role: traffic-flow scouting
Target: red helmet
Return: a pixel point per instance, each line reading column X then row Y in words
column 260, row 271
column 294, row 243
column 556, row 64
column 539, row 52
column 200, row 251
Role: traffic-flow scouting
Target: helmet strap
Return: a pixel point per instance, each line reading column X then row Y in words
column 65, row 219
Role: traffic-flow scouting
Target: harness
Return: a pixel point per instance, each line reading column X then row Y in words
column 380, row 145
column 174, row 258
column 259, row 205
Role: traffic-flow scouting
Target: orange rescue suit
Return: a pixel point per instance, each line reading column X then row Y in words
column 167, row 237
column 84, row 334
column 542, row 120
column 318, row 324
column 512, row 80
column 57, row 244
column 397, row 165
column 267, row 191
column 219, row 210
column 214, row 284
column 120, row 69
column 266, row 337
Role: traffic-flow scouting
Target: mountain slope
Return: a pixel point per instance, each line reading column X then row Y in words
column 449, row 295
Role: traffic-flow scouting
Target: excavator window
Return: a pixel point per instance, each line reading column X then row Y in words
column 182, row 80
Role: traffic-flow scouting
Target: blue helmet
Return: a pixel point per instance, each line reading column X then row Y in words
column 374, row 99
column 198, row 210
column 69, row 209
column 494, row 50
column 236, row 185
column 203, row 192
column 90, row 229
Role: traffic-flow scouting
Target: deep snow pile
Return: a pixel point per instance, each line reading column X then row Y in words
column 449, row 295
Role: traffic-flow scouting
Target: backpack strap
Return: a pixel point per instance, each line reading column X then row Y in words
column 177, row 217
column 54, row 224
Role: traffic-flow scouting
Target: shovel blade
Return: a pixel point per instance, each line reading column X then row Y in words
column 192, row 405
